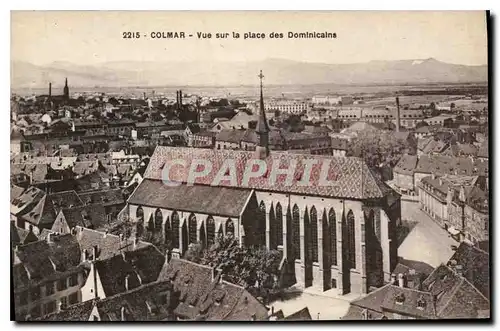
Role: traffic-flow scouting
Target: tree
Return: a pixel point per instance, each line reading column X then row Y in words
column 380, row 148
column 255, row 268
column 421, row 124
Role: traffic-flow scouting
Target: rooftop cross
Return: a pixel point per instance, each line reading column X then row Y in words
column 260, row 76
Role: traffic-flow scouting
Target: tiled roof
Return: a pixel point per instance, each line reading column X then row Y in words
column 89, row 216
column 15, row 192
column 213, row 200
column 105, row 197
column 79, row 312
column 232, row 136
column 434, row 146
column 406, row 164
column 85, row 167
column 440, row 165
column 205, row 297
column 44, row 213
column 26, row 201
column 475, row 266
column 104, row 157
column 109, row 245
column 37, row 171
column 353, row 178
column 21, row 236
column 409, row 305
column 145, row 303
column 140, row 266
column 42, row 259
column 483, row 150
column 455, row 296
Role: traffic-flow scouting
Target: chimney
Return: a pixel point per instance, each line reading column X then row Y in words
column 126, row 283
column 106, row 234
column 84, row 255
column 94, row 252
column 49, row 238
column 122, row 314
column 401, row 280
column 216, row 271
column 393, row 279
column 59, row 306
column 459, row 270
column 144, row 95
column 180, row 98
column 253, row 318
column 50, row 90
column 397, row 115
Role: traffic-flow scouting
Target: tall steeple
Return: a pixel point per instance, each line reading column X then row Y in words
column 262, row 130
column 66, row 89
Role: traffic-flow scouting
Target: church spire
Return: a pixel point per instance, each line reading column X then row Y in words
column 262, row 130
column 66, row 89
column 262, row 125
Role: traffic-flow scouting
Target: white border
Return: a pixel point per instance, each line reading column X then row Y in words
column 192, row 5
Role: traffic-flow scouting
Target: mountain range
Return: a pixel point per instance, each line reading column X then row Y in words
column 276, row 71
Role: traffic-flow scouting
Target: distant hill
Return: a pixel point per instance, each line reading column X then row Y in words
column 276, row 71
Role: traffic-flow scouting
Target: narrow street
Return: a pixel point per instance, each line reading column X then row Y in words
column 427, row 242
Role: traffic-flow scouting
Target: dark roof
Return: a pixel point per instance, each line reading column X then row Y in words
column 44, row 213
column 42, row 260
column 204, row 296
column 454, row 296
column 148, row 302
column 108, row 245
column 26, row 201
column 79, row 312
column 140, row 266
column 483, row 150
column 440, row 165
column 15, row 191
column 354, row 179
column 89, row 216
column 232, row 136
column 107, row 197
column 409, row 305
column 475, row 266
column 212, row 200
column 21, row 236
column 193, row 127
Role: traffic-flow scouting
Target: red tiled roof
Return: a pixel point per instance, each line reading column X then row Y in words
column 353, row 178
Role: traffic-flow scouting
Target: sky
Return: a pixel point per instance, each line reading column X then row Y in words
column 93, row 37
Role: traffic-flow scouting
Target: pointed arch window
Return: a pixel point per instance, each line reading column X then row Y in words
column 332, row 225
column 296, row 232
column 210, row 231
column 279, row 224
column 175, row 230
column 314, row 234
column 229, row 227
column 192, row 228
column 351, row 239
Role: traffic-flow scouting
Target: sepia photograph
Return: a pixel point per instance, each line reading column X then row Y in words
column 249, row 166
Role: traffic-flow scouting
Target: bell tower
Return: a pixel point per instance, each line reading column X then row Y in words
column 66, row 90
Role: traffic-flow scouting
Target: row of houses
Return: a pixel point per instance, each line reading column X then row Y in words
column 87, row 275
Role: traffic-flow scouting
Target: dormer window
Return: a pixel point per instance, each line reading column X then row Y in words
column 421, row 303
column 400, row 299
